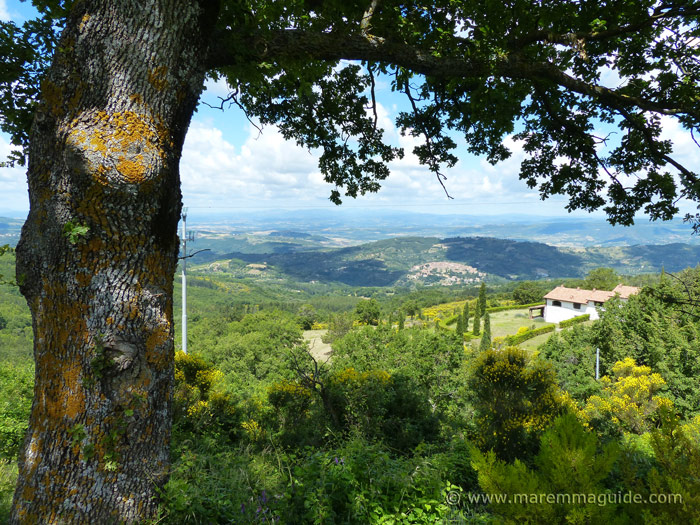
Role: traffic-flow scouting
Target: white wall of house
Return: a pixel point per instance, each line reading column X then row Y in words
column 557, row 314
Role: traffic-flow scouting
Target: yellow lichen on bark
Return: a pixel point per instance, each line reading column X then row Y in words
column 157, row 77
column 156, row 356
column 84, row 21
column 124, row 141
column 73, row 398
column 158, row 337
column 132, row 169
column 61, row 396
column 83, row 279
column 53, row 96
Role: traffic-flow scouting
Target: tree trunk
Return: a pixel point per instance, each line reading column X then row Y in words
column 98, row 254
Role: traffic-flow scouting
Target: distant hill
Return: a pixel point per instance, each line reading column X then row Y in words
column 459, row 260
column 9, row 230
column 328, row 247
column 513, row 259
column 290, row 234
column 366, row 225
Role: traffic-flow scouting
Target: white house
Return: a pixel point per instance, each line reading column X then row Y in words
column 564, row 303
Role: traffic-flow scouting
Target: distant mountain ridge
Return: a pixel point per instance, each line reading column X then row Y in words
column 350, row 226
column 406, row 260
column 329, row 247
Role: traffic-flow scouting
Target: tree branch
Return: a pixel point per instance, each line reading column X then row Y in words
column 433, row 162
column 525, row 69
column 296, row 44
column 366, row 22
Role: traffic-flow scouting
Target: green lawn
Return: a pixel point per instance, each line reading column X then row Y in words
column 509, row 322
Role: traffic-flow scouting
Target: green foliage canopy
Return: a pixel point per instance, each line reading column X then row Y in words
column 515, row 398
column 528, row 292
column 527, row 69
column 368, row 312
column 602, row 279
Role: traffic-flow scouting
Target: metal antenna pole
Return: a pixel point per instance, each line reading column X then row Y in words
column 184, row 280
column 597, row 363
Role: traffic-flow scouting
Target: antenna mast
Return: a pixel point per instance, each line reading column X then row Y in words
column 184, row 280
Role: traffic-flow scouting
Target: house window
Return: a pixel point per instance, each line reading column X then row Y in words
column 598, row 303
column 556, row 303
column 577, row 306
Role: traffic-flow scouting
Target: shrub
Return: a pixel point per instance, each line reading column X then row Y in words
column 515, row 398
column 570, row 462
column 520, row 337
column 361, row 483
column 294, row 407
column 677, row 452
column 8, row 479
column 575, row 320
column 628, row 402
column 199, row 406
column 379, row 406
column 451, row 320
column 16, row 392
column 212, row 484
column 512, row 307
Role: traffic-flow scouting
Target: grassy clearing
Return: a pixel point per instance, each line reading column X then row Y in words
column 510, row 321
column 506, row 323
column 320, row 350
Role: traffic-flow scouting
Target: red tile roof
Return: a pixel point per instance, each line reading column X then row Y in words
column 577, row 295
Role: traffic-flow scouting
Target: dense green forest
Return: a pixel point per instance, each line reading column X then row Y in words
column 416, row 418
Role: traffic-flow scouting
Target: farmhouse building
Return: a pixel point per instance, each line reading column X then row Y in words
column 564, row 303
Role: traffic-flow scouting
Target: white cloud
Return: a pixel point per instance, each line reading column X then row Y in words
column 685, row 150
column 214, row 91
column 265, row 167
column 4, row 13
column 13, row 182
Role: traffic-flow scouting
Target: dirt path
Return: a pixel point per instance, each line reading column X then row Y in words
column 320, row 350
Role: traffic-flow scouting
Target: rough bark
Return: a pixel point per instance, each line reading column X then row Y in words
column 105, row 148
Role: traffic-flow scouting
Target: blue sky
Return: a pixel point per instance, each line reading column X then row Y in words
column 228, row 165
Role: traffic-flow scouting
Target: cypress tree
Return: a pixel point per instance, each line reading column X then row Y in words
column 465, row 314
column 401, row 319
column 460, row 325
column 486, row 338
column 477, row 323
column 481, row 307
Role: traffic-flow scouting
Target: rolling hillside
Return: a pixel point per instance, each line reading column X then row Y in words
column 452, row 261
